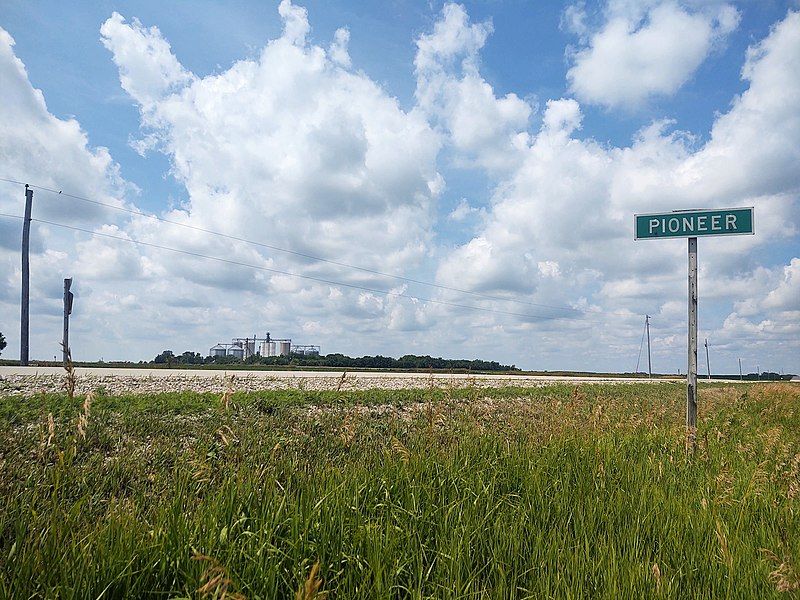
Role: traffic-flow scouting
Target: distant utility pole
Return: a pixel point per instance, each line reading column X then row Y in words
column 740, row 370
column 758, row 372
column 68, row 296
column 708, row 363
column 24, row 317
column 649, row 364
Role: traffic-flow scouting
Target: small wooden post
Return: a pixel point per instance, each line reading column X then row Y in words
column 25, row 316
column 67, row 313
column 691, row 372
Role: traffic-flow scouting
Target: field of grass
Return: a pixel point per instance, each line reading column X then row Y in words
column 553, row 492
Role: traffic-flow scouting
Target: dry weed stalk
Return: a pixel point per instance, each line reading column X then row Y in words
column 228, row 393
column 341, row 381
column 201, row 471
column 215, row 580
column 433, row 414
column 727, row 557
column 577, row 395
column 312, row 587
column 70, row 379
column 46, row 442
column 785, row 577
column 51, row 429
column 691, row 440
column 83, row 417
column 657, row 576
column 793, row 477
column 226, row 435
column 400, row 449
column 348, row 430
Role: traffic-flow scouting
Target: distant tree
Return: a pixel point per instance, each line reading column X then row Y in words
column 166, row 357
column 226, row 360
column 190, row 358
column 2, row 343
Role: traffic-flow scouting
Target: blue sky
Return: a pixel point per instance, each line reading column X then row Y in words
column 60, row 46
column 524, row 60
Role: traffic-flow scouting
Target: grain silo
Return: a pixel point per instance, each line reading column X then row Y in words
column 285, row 348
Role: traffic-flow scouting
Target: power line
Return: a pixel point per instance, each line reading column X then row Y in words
column 291, row 274
column 311, row 256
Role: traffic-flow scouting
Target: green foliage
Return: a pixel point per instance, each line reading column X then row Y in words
column 407, row 362
column 187, row 358
column 166, row 357
column 439, row 493
column 2, row 342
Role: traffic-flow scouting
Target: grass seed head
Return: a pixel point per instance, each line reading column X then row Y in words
column 216, row 583
column 341, row 381
column 657, row 576
column 70, row 379
column 312, row 587
column 785, row 576
column 400, row 449
column 83, row 417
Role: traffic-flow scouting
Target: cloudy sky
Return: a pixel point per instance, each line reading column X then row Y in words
column 467, row 172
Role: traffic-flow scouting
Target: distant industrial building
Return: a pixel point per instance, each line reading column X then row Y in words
column 244, row 348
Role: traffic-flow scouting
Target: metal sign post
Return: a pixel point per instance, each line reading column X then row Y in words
column 691, row 373
column 693, row 224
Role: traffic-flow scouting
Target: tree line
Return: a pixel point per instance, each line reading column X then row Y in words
column 408, row 361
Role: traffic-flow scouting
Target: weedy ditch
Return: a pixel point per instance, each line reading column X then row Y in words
column 559, row 491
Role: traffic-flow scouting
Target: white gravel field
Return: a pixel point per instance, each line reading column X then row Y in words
column 29, row 381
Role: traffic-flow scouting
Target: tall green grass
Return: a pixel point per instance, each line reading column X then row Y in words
column 558, row 492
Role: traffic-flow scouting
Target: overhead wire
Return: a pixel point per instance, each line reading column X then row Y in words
column 299, row 275
column 311, row 256
column 641, row 344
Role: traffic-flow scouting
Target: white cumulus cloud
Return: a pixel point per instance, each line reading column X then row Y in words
column 643, row 49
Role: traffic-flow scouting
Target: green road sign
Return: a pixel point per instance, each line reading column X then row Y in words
column 694, row 223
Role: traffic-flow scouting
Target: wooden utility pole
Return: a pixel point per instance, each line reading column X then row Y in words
column 691, row 373
column 24, row 317
column 649, row 364
column 67, row 312
column 740, row 370
column 708, row 363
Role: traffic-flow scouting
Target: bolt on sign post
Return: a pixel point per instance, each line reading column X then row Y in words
column 693, row 224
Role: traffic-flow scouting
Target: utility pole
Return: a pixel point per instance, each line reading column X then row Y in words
column 708, row 363
column 24, row 320
column 691, row 373
column 741, row 378
column 758, row 372
column 68, row 296
column 649, row 364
